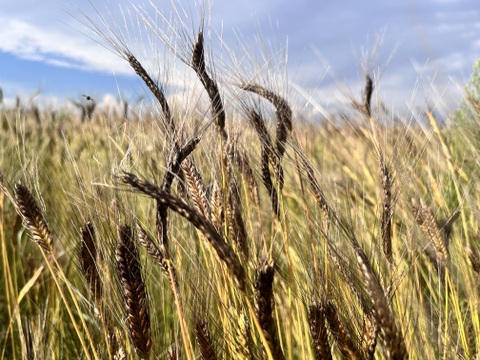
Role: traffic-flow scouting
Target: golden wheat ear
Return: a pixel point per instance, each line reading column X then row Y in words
column 388, row 204
column 429, row 225
column 370, row 335
column 33, row 217
column 134, row 291
column 345, row 343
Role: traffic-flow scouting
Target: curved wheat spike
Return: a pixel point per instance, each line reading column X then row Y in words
column 223, row 250
column 153, row 87
column 283, row 110
column 198, row 64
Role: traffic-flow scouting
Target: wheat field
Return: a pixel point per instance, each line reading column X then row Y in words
column 239, row 230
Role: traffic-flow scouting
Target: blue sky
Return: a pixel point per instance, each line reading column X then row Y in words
column 426, row 49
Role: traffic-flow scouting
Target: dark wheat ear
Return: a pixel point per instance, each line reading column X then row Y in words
column 265, row 308
column 88, row 259
column 318, row 332
column 174, row 169
column 394, row 343
column 367, row 95
column 154, row 88
column 283, row 110
column 134, row 291
column 204, row 340
column 365, row 106
column 32, row 217
column 267, row 156
column 198, row 64
column 258, row 123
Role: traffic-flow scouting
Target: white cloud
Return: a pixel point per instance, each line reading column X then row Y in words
column 32, row 42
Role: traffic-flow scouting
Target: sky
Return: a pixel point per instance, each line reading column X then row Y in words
column 419, row 52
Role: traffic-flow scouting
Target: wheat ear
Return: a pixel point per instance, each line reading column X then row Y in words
column 283, row 110
column 318, row 332
column 32, row 217
column 265, row 308
column 204, row 340
column 198, row 64
column 134, row 291
column 88, row 257
column 425, row 218
column 223, row 250
column 394, row 344
column 154, row 88
column 370, row 335
column 345, row 344
column 388, row 203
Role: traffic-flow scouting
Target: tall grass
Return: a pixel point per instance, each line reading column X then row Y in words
column 239, row 235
